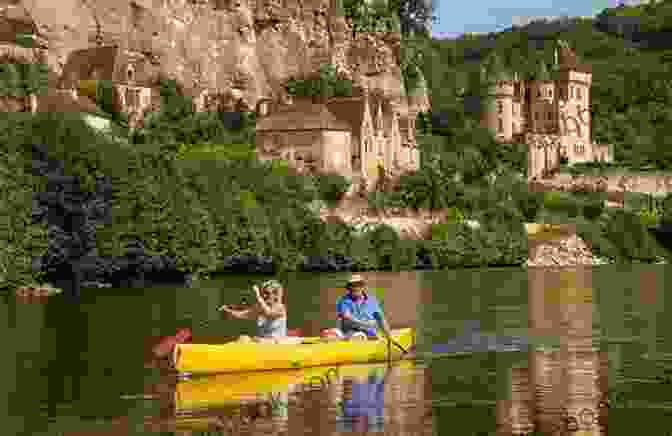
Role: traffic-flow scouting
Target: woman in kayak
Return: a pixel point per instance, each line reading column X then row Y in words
column 269, row 312
column 359, row 313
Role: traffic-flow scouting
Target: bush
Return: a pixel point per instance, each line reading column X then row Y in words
column 332, row 187
column 21, row 239
column 632, row 239
column 560, row 203
column 456, row 245
column 593, row 233
column 593, row 207
column 530, row 203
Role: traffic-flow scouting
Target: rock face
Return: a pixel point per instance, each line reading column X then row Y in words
column 246, row 48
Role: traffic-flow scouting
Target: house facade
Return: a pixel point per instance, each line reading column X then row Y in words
column 361, row 135
column 131, row 74
column 551, row 115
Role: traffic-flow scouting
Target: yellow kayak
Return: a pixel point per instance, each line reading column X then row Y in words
column 226, row 389
column 245, row 357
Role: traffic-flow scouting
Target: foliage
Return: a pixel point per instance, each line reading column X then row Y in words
column 632, row 238
column 530, row 203
column 457, row 245
column 332, row 187
column 20, row 80
column 177, row 123
column 631, row 89
column 326, row 84
column 20, row 239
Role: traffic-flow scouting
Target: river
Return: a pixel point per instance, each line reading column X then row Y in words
column 502, row 351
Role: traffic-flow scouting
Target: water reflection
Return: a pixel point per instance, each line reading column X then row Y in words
column 365, row 399
column 560, row 390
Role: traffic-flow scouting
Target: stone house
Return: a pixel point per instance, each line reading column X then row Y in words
column 362, row 135
column 550, row 114
column 132, row 75
column 308, row 136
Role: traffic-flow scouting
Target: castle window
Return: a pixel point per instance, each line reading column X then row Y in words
column 578, row 93
column 571, row 92
column 579, row 148
column 500, row 107
column 549, row 116
column 500, row 127
column 538, row 92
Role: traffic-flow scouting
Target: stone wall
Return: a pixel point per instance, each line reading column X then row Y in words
column 645, row 183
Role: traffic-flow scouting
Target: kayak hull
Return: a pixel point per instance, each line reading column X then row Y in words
column 248, row 357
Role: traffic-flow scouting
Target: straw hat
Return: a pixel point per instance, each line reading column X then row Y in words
column 271, row 285
column 356, row 278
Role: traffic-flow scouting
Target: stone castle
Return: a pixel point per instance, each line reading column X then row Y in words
column 550, row 114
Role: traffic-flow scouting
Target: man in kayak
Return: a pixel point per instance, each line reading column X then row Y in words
column 269, row 312
column 359, row 313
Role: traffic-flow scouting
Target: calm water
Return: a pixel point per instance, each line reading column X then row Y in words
column 599, row 359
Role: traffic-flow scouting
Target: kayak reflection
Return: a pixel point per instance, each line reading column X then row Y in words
column 352, row 398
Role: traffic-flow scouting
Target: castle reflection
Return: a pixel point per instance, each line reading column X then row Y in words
column 561, row 389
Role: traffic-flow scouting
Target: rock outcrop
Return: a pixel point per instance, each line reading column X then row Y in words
column 244, row 48
column 565, row 251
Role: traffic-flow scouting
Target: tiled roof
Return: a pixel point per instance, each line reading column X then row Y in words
column 567, row 60
column 303, row 116
column 60, row 101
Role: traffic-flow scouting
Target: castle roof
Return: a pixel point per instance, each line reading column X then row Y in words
column 11, row 25
column 302, row 116
column 567, row 60
column 105, row 62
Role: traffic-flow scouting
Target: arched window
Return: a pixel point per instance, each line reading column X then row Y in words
column 500, row 127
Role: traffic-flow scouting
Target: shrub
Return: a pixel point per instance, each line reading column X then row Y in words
column 332, row 187
column 529, row 204
column 592, row 208
column 561, row 203
column 454, row 215
column 21, row 240
column 632, row 239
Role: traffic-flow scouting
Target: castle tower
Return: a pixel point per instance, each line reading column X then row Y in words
column 543, row 103
column 574, row 82
column 498, row 114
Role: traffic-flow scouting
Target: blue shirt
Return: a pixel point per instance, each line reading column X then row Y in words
column 364, row 309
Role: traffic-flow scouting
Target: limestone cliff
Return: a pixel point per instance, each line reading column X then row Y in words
column 247, row 48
